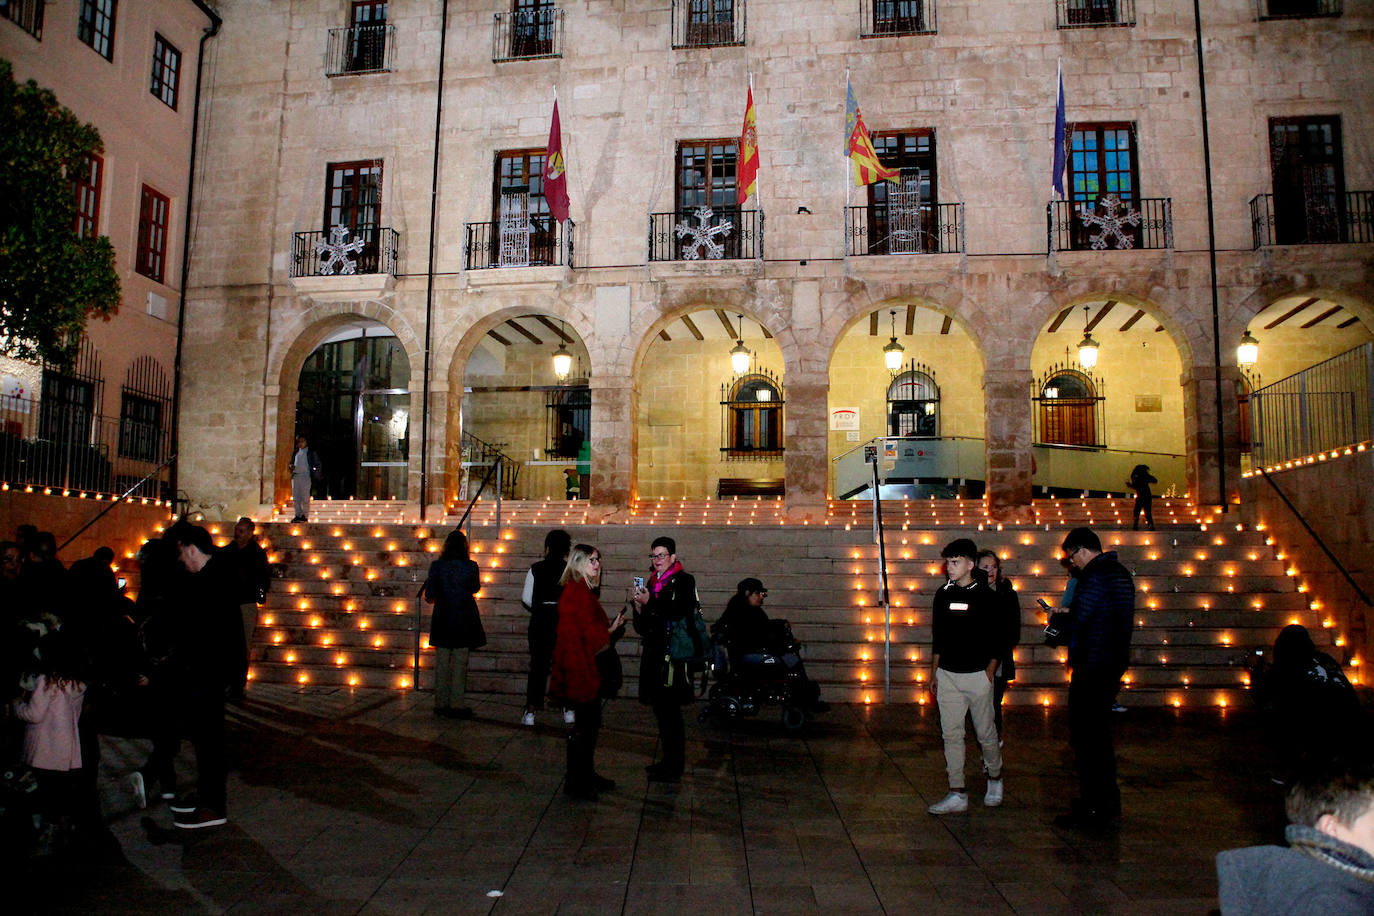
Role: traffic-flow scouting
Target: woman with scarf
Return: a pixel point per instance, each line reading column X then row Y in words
column 665, row 685
column 574, row 678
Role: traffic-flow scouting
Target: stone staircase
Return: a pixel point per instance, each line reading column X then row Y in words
column 344, row 610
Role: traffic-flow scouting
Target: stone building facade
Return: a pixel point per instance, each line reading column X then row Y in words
column 290, row 102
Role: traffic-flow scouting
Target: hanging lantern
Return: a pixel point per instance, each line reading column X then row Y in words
column 1247, row 354
column 892, row 353
column 1087, row 347
column 562, row 359
column 739, row 353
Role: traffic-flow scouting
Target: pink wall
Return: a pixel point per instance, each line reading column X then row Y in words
column 123, row 528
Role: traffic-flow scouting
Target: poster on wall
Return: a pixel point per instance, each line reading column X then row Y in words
column 844, row 419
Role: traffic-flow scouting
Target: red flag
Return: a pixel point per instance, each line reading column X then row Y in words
column 555, row 171
column 867, row 168
column 748, row 153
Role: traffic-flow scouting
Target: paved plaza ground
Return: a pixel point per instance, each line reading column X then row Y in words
column 362, row 801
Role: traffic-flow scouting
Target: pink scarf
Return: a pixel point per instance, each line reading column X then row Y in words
column 657, row 582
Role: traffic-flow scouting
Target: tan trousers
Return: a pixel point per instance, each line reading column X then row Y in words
column 450, row 677
column 957, row 694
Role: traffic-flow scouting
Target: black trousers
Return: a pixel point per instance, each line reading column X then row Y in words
column 999, row 690
column 1143, row 506
column 542, row 635
column 672, row 732
column 582, row 744
column 205, row 721
column 1091, row 696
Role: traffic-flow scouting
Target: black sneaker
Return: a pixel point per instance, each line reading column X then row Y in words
column 201, row 817
column 602, row 783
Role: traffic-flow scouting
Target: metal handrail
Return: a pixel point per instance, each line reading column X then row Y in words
column 114, row 502
column 1340, row 567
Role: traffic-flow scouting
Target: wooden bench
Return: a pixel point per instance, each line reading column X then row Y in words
column 749, row 486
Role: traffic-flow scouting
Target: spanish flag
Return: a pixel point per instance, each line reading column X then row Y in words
column 555, row 170
column 867, row 168
column 748, row 153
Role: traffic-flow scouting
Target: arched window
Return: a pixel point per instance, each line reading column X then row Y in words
column 913, row 403
column 751, row 416
column 1069, row 408
column 568, row 412
column 144, row 406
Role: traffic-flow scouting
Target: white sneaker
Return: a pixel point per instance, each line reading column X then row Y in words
column 140, row 793
column 569, row 716
column 527, row 719
column 993, row 798
column 952, row 803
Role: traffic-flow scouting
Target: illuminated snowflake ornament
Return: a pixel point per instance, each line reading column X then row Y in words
column 703, row 236
column 1110, row 223
column 337, row 251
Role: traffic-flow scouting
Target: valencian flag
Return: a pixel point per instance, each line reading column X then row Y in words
column 556, row 170
column 748, row 153
column 1061, row 129
column 859, row 148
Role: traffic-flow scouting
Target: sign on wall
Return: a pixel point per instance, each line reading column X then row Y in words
column 844, row 419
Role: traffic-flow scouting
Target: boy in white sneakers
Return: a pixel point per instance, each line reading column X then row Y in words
column 963, row 662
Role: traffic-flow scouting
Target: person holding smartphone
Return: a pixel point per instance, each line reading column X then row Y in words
column 1008, row 626
column 669, row 594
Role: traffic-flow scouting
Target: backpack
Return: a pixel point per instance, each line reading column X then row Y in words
column 689, row 640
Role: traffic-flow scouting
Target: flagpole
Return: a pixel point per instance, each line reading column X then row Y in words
column 758, row 184
column 845, row 162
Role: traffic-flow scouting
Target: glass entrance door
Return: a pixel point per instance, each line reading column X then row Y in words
column 382, row 426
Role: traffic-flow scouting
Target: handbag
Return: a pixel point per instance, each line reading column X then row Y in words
column 612, row 674
column 689, row 639
column 1059, row 629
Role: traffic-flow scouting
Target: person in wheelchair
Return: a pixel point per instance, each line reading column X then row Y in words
column 752, row 647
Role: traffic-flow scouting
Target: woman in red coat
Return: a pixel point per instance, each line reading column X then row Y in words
column 582, row 632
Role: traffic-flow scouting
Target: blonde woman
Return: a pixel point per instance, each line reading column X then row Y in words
column 583, row 630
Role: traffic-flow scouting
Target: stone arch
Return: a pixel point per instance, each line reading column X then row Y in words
column 295, row 342
column 857, row 308
column 773, row 314
column 1189, row 337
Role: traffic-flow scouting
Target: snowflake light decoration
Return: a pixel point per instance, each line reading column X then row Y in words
column 1110, row 223
column 337, row 251
column 703, row 236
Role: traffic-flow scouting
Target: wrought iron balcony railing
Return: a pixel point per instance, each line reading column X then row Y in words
column 541, row 242
column 327, row 254
column 933, row 229
column 708, row 23
column 27, row 14
column 526, row 34
column 703, row 234
column 1305, row 218
column 879, row 18
column 1092, row 14
column 1109, row 223
column 1298, row 9
column 361, row 49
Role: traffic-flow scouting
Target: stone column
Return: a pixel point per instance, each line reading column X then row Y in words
column 615, row 441
column 438, row 487
column 1007, row 407
column 1200, row 434
column 804, row 436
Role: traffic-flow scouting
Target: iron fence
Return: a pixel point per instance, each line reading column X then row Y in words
column 361, row 49
column 703, row 234
column 311, row 256
column 878, row 18
column 1092, row 14
column 935, row 229
column 543, row 243
column 66, row 446
column 1109, row 223
column 27, row 14
column 708, row 23
column 526, row 34
column 1298, row 9
column 1323, row 407
column 1307, row 218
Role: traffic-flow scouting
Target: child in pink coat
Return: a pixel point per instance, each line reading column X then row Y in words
column 51, row 743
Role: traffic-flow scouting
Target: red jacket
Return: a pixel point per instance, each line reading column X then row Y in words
column 582, row 630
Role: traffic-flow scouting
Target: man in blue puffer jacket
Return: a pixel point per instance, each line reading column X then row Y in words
column 1103, row 609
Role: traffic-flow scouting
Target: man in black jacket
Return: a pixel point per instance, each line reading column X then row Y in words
column 248, row 561
column 1103, row 609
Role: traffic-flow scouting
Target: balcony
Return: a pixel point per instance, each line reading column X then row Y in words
column 708, row 23
column 882, row 18
column 1094, row 14
column 27, row 14
column 362, row 49
column 527, row 35
column 333, row 253
column 932, row 229
column 703, row 234
column 1298, row 9
column 538, row 242
column 1108, row 224
column 1333, row 218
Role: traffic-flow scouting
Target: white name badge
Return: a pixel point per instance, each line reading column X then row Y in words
column 958, row 606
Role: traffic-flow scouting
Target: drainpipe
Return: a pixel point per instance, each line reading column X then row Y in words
column 1212, row 258
column 210, row 32
column 429, row 270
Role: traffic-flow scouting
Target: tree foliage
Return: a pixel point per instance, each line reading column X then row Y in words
column 51, row 281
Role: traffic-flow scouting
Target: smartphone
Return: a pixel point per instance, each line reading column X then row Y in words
column 639, row 583
column 1043, row 603
column 122, row 581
